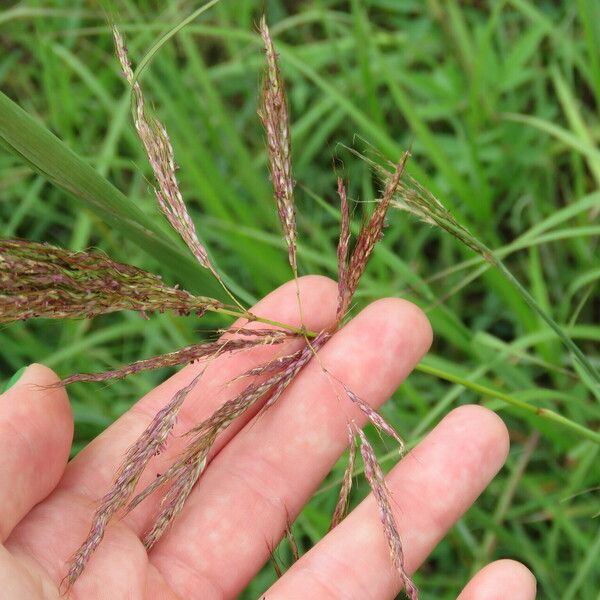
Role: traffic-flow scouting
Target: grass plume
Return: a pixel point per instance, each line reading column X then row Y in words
column 274, row 115
column 186, row 355
column 369, row 235
column 342, row 251
column 375, row 477
column 149, row 444
column 40, row 280
column 158, row 147
column 341, row 506
column 412, row 197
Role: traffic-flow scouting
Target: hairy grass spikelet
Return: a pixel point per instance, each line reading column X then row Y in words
column 341, row 506
column 274, row 115
column 369, row 235
column 376, row 480
column 40, row 280
column 150, row 443
column 158, row 147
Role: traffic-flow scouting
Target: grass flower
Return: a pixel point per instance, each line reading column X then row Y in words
column 341, row 506
column 150, row 443
column 40, row 280
column 376, row 480
column 273, row 113
column 158, row 147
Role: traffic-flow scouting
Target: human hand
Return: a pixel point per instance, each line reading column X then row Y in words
column 261, row 474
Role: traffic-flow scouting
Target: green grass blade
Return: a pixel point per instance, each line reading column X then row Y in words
column 168, row 35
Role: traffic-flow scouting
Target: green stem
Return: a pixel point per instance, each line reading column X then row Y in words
column 565, row 339
column 525, row 406
column 240, row 314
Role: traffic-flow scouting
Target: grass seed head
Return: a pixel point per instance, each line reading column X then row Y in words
column 273, row 113
column 375, row 477
column 370, row 233
column 40, row 280
column 157, row 144
column 186, row 355
column 373, row 415
column 342, row 251
column 150, row 443
column 344, row 496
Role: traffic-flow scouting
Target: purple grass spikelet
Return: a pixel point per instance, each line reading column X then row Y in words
column 274, row 115
column 150, row 443
column 175, row 498
column 188, row 354
column 157, row 144
column 373, row 415
column 342, row 251
column 40, row 280
column 376, row 480
column 344, row 496
column 371, row 233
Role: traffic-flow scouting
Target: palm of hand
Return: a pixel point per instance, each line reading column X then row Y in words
column 261, row 474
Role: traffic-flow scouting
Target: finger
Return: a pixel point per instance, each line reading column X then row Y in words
column 431, row 488
column 268, row 471
column 15, row 580
column 36, row 430
column 90, row 475
column 499, row 580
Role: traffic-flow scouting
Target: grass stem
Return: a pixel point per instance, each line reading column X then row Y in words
column 545, row 413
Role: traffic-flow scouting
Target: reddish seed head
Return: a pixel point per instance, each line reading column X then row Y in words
column 158, row 147
column 273, row 113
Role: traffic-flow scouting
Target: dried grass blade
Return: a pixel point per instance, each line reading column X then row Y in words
column 375, row 477
column 273, row 113
column 160, row 154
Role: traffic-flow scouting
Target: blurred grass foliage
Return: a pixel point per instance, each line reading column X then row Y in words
column 499, row 101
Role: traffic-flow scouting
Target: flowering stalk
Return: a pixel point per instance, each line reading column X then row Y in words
column 376, row 480
column 186, row 470
column 158, row 147
column 410, row 196
column 40, row 280
column 344, row 495
column 370, row 233
column 342, row 251
column 150, row 443
column 274, row 116
column 186, row 355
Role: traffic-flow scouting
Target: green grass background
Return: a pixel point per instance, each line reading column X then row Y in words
column 499, row 101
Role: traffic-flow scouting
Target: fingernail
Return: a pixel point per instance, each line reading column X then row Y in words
column 13, row 379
